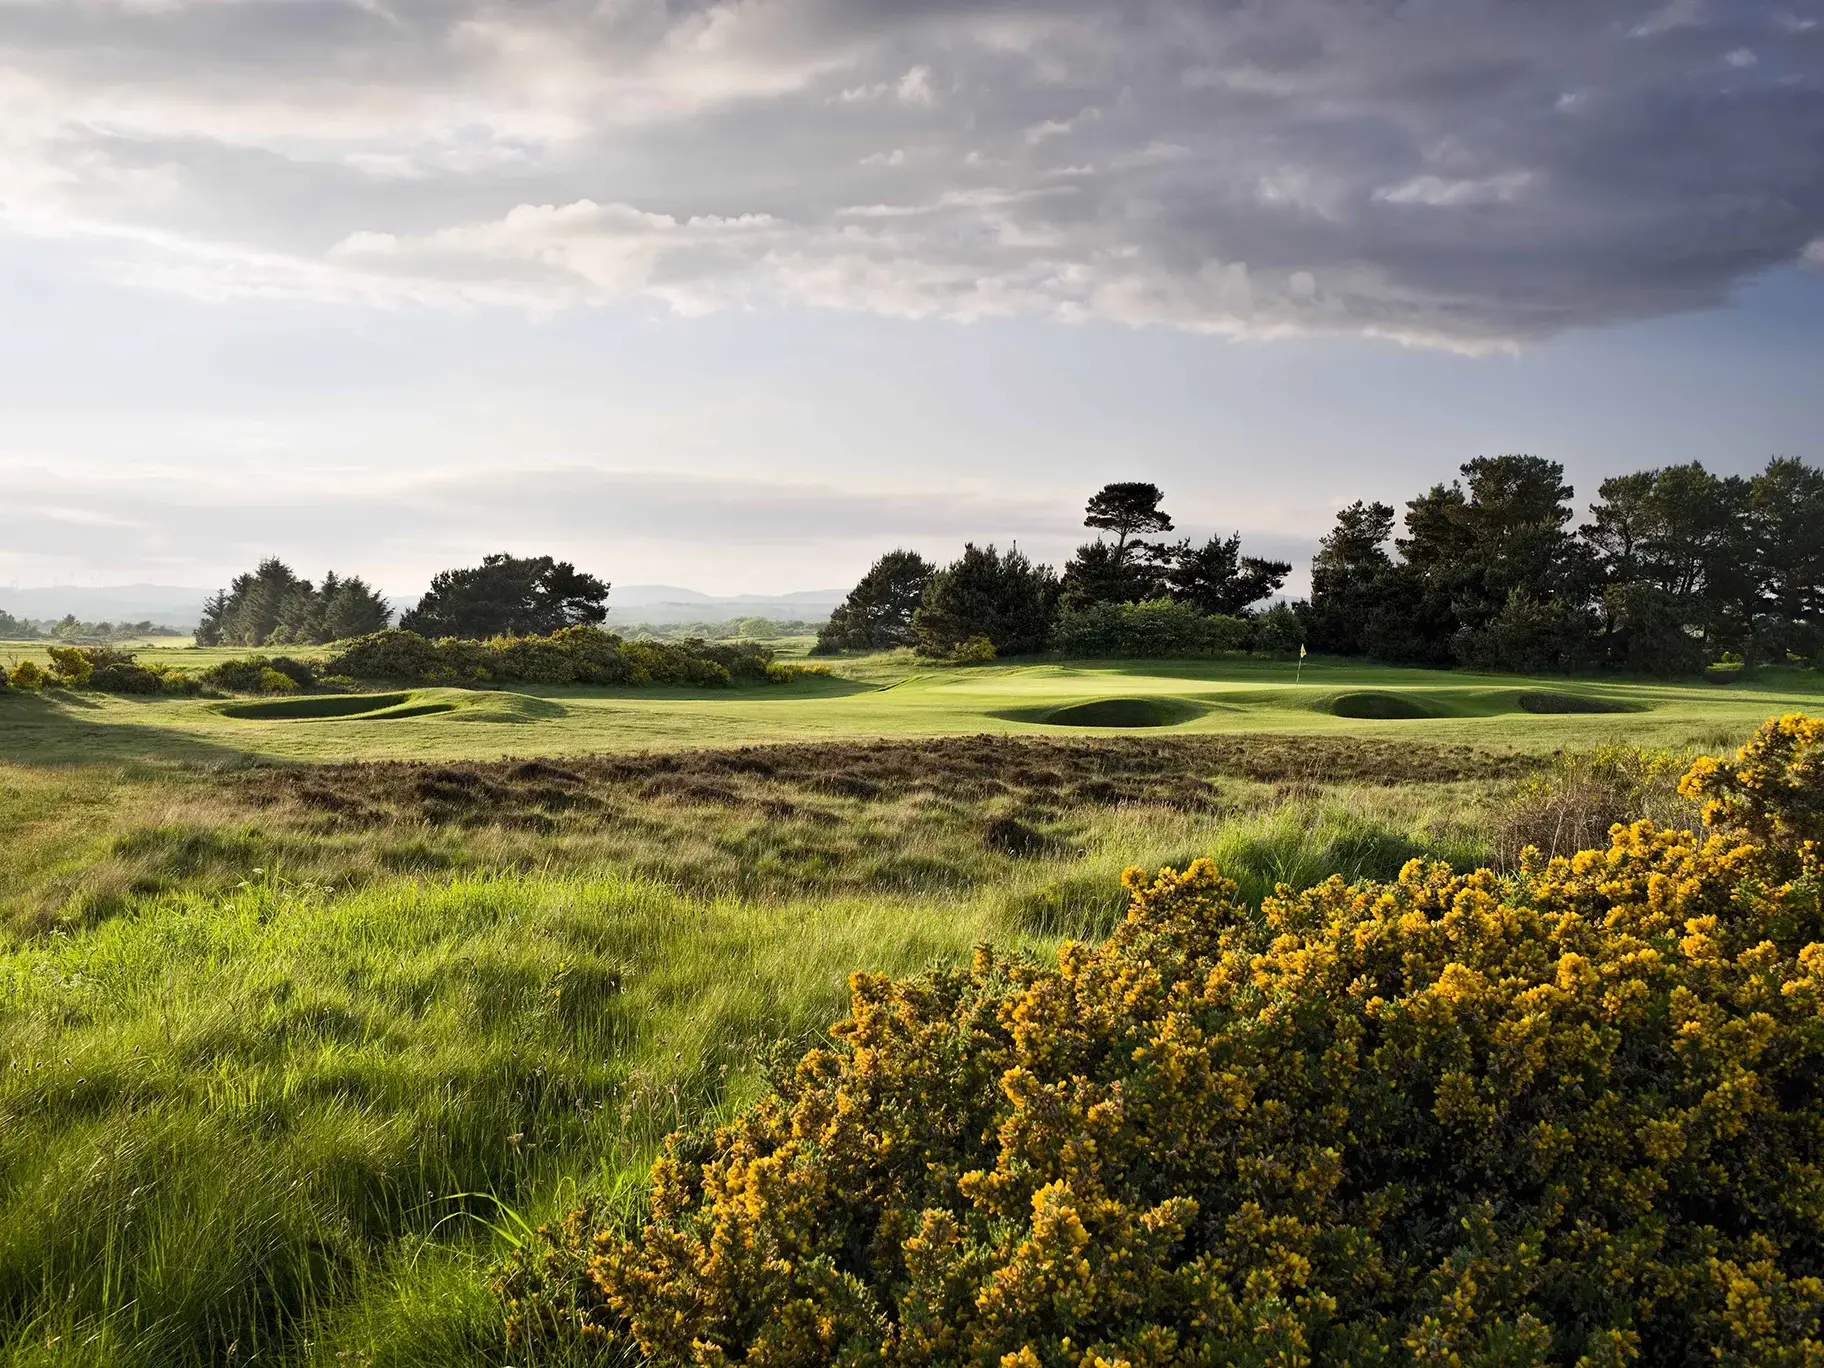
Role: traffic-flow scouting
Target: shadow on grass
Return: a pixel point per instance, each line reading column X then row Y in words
column 59, row 728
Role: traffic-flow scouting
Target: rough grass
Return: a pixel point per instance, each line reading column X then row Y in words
column 232, row 1128
column 773, row 822
column 291, row 1051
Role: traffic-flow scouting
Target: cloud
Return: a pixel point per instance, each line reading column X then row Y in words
column 708, row 533
column 1471, row 176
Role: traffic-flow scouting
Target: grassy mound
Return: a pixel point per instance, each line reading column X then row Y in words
column 316, row 705
column 429, row 708
column 1378, row 707
column 1124, row 712
column 1545, row 701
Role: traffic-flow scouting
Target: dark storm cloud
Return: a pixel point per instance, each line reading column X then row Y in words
column 1469, row 173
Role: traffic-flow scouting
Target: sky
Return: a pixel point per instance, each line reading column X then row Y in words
column 739, row 295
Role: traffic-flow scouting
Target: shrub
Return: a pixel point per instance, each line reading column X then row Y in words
column 1279, row 631
column 105, row 670
column 71, row 665
column 277, row 682
column 249, row 674
column 28, row 674
column 299, row 672
column 391, row 654
column 128, row 677
column 1575, row 1117
column 1156, row 629
column 1773, row 790
column 975, row 650
column 572, row 655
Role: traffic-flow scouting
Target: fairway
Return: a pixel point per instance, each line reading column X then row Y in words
column 888, row 697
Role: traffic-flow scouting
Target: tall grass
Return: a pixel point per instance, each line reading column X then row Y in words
column 222, row 1116
column 292, row 1119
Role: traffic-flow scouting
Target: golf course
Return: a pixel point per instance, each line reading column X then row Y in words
column 890, row 697
column 317, row 1005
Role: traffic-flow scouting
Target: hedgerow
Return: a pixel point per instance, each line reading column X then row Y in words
column 573, row 655
column 1569, row 1117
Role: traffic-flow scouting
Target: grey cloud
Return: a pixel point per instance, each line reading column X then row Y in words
column 1471, row 174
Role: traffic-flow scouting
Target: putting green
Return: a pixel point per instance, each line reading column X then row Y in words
column 896, row 697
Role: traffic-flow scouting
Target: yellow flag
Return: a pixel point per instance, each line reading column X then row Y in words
column 1301, row 650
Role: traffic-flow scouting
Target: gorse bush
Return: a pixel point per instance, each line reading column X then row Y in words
column 261, row 674
column 1571, row 1117
column 106, row 670
column 572, row 655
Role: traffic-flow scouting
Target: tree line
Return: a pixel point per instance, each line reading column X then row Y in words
column 70, row 628
column 503, row 596
column 989, row 602
column 1676, row 568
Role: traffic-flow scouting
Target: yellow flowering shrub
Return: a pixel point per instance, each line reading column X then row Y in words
column 1773, row 791
column 1571, row 1117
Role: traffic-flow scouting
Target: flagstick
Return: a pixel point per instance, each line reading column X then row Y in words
column 1299, row 678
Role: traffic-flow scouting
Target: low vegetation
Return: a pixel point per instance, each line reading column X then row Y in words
column 299, row 1053
column 570, row 655
column 1572, row 1117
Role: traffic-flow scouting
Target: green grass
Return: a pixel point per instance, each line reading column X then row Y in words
column 257, row 1118
column 287, row 1053
column 895, row 698
column 246, row 1121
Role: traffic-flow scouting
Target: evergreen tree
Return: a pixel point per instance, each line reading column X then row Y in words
column 1128, row 509
column 1786, row 527
column 1217, row 578
column 351, row 607
column 272, row 606
column 1103, row 573
column 877, row 614
column 508, row 596
column 1006, row 599
column 1347, row 575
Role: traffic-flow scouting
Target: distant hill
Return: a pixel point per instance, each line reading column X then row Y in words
column 659, row 603
column 168, row 605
